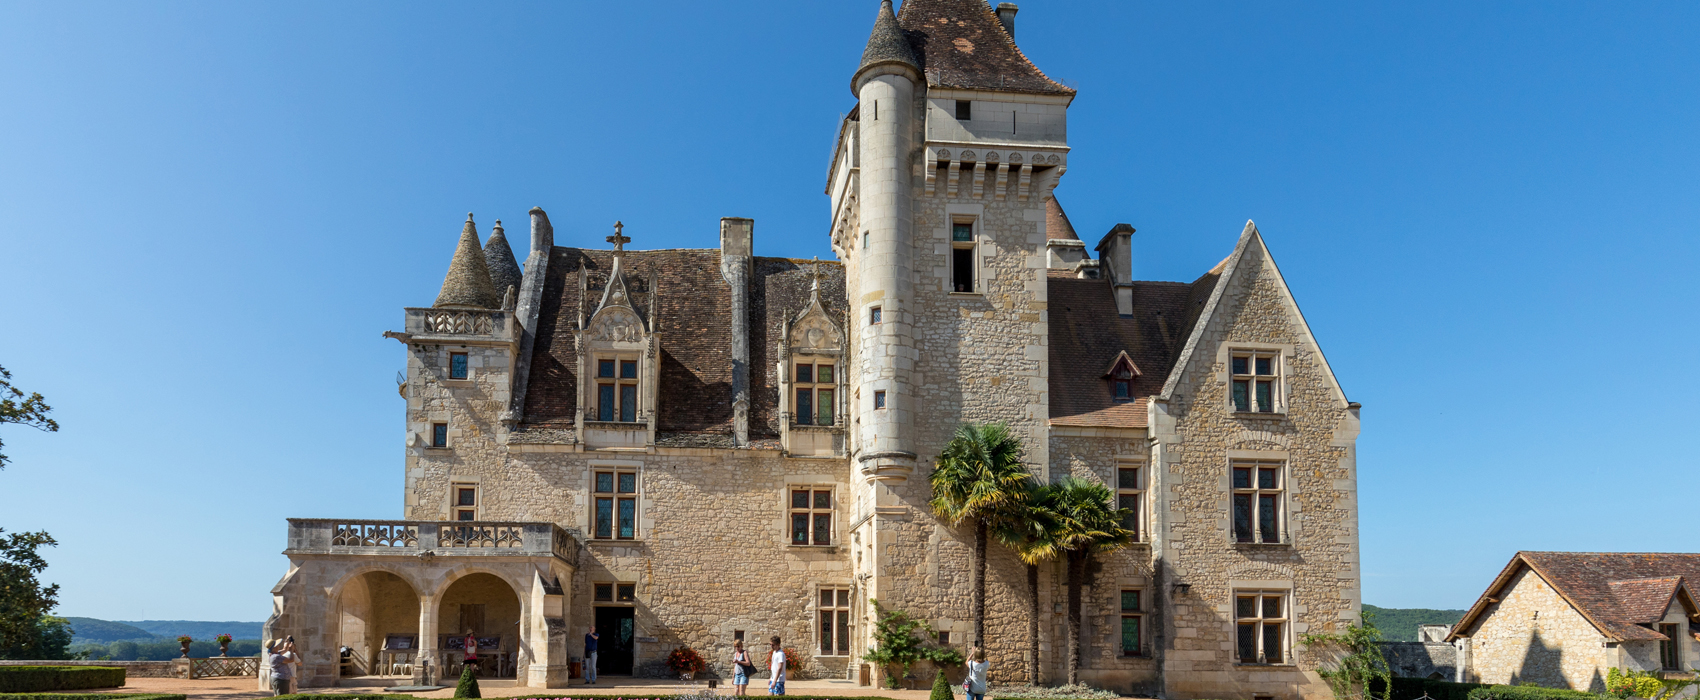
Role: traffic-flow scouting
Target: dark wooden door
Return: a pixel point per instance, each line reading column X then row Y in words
column 615, row 627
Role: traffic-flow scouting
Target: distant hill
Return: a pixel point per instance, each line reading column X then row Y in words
column 88, row 629
column 1400, row 624
column 197, row 629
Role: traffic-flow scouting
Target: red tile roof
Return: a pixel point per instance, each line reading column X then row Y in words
column 1057, row 226
column 1087, row 334
column 1616, row 591
column 961, row 44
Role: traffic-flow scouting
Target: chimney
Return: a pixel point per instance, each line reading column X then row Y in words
column 1006, row 15
column 1115, row 262
column 736, row 244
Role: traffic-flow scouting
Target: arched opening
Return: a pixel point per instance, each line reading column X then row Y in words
column 377, row 619
column 486, row 607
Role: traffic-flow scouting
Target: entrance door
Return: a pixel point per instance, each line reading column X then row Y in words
column 615, row 627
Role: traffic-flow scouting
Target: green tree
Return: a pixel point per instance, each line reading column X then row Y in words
column 1358, row 666
column 1086, row 525
column 23, row 600
column 897, row 646
column 468, row 686
column 1032, row 535
column 979, row 478
column 50, row 640
column 15, row 407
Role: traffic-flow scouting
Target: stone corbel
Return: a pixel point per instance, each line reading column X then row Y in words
column 1003, row 178
column 932, row 173
column 979, row 180
column 1025, row 183
column 955, row 176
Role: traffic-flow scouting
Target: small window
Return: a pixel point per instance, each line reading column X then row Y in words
column 1132, row 619
column 605, row 368
column 944, row 639
column 439, row 434
column 457, row 365
column 962, row 257
column 627, row 592
column 1261, row 619
column 962, row 233
column 864, row 240
column 834, row 615
column 1258, row 492
column 1256, row 382
column 1121, row 381
column 874, row 315
column 605, row 592
column 738, row 635
column 879, row 400
column 614, row 505
column 964, row 110
column 1129, row 496
column 811, row 516
column 465, row 502
column 628, row 369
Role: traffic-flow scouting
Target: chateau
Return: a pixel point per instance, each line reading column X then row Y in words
column 688, row 447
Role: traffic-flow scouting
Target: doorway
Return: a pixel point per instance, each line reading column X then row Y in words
column 616, row 628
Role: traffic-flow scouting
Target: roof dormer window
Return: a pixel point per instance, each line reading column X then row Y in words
column 1121, row 375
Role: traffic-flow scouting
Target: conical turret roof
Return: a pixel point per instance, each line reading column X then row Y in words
column 468, row 281
column 504, row 268
column 887, row 44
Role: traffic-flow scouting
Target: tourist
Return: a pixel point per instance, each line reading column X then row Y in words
column 590, row 656
column 977, row 665
column 776, row 664
column 741, row 669
column 470, row 645
column 279, row 658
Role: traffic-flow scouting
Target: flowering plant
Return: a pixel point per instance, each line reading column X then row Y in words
column 793, row 662
column 223, row 639
column 185, row 639
column 686, row 660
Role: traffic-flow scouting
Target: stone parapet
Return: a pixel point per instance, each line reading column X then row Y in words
column 431, row 538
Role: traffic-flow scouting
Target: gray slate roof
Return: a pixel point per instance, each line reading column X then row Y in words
column 504, row 268
column 468, row 281
column 886, row 44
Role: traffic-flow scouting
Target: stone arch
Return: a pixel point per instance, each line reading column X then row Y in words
column 369, row 604
column 488, row 602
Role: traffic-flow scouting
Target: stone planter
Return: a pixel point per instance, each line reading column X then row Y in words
column 185, row 649
column 224, row 649
column 688, row 676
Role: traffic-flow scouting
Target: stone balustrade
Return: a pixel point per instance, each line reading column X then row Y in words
column 477, row 323
column 433, row 537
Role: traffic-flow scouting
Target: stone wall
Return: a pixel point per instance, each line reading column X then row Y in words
column 1437, row 660
column 1533, row 636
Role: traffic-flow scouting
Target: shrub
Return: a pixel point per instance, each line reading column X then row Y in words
column 1061, row 692
column 1415, row 688
column 941, row 688
column 686, row 660
column 468, row 687
column 1527, row 692
column 35, row 679
column 91, row 696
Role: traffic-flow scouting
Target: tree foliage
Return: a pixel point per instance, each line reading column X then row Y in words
column 1358, row 662
column 1644, row 684
column 24, row 602
column 896, row 645
column 979, row 478
column 17, row 407
column 1083, row 523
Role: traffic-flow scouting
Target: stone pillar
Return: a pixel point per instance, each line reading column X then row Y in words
column 425, row 670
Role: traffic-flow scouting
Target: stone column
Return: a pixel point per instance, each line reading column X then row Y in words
column 427, row 656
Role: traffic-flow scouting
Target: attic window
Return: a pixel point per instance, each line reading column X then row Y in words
column 964, row 110
column 1121, row 375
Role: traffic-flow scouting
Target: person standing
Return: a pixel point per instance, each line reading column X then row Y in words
column 280, row 659
column 590, row 639
column 470, row 657
column 977, row 666
column 741, row 669
column 776, row 663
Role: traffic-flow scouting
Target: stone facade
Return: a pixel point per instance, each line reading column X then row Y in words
column 647, row 438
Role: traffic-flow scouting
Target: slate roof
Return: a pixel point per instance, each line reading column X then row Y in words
column 961, row 44
column 1057, row 226
column 468, row 280
column 1616, row 591
column 1087, row 334
column 504, row 269
column 694, row 320
column 886, row 43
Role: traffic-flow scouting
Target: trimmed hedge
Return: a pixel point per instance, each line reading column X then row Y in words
column 91, row 696
column 36, row 679
column 1414, row 688
column 1528, row 692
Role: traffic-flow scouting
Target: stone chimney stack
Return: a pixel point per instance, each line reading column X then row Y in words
column 1006, row 15
column 737, row 242
column 1115, row 261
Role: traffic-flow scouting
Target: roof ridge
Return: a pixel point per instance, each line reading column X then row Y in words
column 1023, row 54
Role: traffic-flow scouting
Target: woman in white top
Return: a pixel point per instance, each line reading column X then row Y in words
column 977, row 665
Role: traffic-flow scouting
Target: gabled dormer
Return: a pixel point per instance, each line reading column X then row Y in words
column 812, row 399
column 618, row 361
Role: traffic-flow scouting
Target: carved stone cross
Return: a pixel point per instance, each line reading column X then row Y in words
column 618, row 239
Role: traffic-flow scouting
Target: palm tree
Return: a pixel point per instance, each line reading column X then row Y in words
column 1032, row 535
column 979, row 477
column 1086, row 524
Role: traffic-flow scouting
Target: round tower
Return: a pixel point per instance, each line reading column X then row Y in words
column 884, row 85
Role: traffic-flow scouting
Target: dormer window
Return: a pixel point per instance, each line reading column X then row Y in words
column 816, row 386
column 616, row 389
column 1121, row 375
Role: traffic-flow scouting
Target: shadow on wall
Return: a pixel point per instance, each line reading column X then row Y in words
column 1542, row 665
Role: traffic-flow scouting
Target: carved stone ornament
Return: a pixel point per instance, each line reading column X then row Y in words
column 617, row 324
column 1015, row 157
column 1053, row 159
column 968, row 155
column 814, row 330
column 991, row 156
column 944, row 153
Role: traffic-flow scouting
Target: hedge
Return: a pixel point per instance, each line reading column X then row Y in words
column 1528, row 692
column 91, row 696
column 35, row 679
column 1415, row 688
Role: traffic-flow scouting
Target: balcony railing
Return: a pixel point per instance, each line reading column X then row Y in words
column 471, row 322
column 440, row 537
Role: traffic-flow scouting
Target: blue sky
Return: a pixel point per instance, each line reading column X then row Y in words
column 210, row 211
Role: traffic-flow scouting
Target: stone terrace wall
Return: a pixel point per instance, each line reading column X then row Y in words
column 1534, row 636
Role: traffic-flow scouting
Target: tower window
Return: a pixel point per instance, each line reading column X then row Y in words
column 874, row 315
column 962, row 245
column 615, row 515
column 879, row 400
column 964, row 110
column 457, row 365
column 439, row 434
column 1128, row 492
column 1131, row 619
column 864, row 240
column 466, row 502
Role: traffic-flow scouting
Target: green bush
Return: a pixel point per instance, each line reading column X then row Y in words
column 941, row 688
column 468, row 687
column 91, row 696
column 1527, row 692
column 1414, row 688
column 35, row 679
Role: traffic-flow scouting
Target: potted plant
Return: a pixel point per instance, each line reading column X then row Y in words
column 223, row 644
column 184, row 640
column 686, row 662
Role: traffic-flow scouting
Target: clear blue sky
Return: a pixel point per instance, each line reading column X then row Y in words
column 210, row 211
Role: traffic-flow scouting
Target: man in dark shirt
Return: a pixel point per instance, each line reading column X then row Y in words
column 590, row 655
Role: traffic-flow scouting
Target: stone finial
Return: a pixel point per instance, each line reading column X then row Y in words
column 619, row 239
column 504, row 268
column 468, row 283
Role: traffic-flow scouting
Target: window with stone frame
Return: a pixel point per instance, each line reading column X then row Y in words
column 439, row 434
column 458, row 366
column 1259, row 492
column 815, row 386
column 1130, row 494
column 963, row 243
column 1133, row 618
column 811, row 515
column 614, row 504
column 617, row 389
column 1255, row 384
column 833, row 613
column 465, row 501
column 1260, row 620
column 1670, row 648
